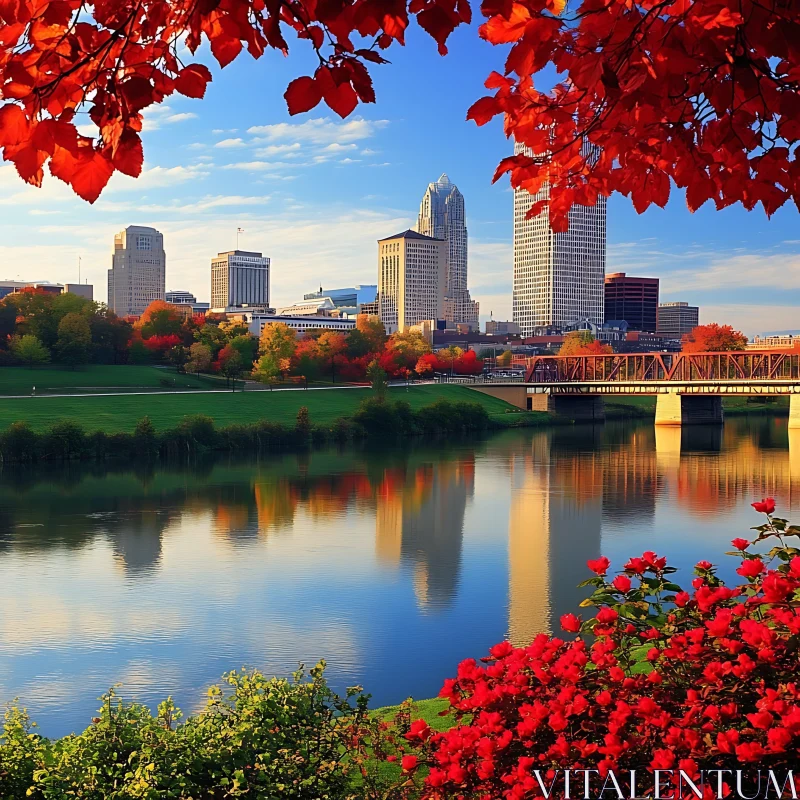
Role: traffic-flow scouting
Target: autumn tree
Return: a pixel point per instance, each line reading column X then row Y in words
column 74, row 342
column 278, row 340
column 160, row 319
column 582, row 343
column 199, row 358
column 702, row 94
column 331, row 345
column 713, row 338
column 504, row 359
column 230, row 365
column 373, row 331
column 29, row 350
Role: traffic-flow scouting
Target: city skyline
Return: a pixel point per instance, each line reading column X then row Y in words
column 315, row 193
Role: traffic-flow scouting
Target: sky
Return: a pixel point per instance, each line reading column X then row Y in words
column 314, row 193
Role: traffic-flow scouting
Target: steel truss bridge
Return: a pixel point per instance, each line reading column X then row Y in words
column 751, row 366
column 688, row 386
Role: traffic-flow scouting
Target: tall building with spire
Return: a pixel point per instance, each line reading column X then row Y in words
column 442, row 216
column 559, row 278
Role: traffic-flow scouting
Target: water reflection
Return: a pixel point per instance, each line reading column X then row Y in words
column 392, row 564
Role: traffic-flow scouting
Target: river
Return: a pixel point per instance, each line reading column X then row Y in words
column 393, row 564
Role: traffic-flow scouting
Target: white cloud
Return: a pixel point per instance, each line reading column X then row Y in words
column 258, row 166
column 319, row 131
column 285, row 150
column 231, row 143
column 180, row 117
column 752, row 319
column 335, row 147
column 156, row 177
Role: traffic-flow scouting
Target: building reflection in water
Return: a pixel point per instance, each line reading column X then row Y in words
column 556, row 509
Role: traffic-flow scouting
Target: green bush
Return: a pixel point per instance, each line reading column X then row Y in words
column 257, row 737
column 65, row 440
column 18, row 442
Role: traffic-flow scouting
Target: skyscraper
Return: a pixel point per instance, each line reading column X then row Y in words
column 239, row 278
column 633, row 299
column 558, row 277
column 411, row 279
column 137, row 274
column 442, row 216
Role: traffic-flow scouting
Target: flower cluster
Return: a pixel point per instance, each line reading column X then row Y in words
column 660, row 679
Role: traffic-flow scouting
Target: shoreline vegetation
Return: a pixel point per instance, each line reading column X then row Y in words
column 115, row 425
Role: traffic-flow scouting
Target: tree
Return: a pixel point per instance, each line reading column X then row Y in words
column 267, row 368
column 372, row 328
column 702, row 93
column 247, row 346
column 29, row 350
column 160, row 319
column 212, row 337
column 713, row 338
column 277, row 340
column 377, row 378
column 178, row 356
column 582, row 343
column 74, row 342
column 331, row 345
column 199, row 358
column 230, row 364
column 110, row 337
column 504, row 359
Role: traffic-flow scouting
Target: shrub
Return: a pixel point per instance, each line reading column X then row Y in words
column 260, row 737
column 65, row 440
column 662, row 679
column 198, row 430
column 378, row 417
column 303, row 423
column 145, row 442
column 18, row 442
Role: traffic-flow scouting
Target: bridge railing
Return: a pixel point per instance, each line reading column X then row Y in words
column 738, row 365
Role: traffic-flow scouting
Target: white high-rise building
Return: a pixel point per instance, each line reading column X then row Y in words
column 559, row 278
column 412, row 273
column 137, row 274
column 442, row 216
column 239, row 278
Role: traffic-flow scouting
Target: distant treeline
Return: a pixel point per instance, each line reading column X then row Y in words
column 376, row 418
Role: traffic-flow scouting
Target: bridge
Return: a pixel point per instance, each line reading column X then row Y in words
column 689, row 387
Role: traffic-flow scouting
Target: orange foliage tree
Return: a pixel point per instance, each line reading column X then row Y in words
column 713, row 338
column 700, row 93
column 582, row 343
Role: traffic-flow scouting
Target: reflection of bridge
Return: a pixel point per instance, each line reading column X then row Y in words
column 688, row 386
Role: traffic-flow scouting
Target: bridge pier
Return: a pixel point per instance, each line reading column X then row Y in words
column 579, row 407
column 794, row 411
column 689, row 409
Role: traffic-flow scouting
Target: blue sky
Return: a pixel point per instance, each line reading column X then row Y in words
column 315, row 193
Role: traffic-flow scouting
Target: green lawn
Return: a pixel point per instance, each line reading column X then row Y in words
column 96, row 378
column 121, row 413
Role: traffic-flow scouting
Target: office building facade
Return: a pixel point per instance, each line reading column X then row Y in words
column 239, row 278
column 182, row 298
column 412, row 274
column 348, row 299
column 634, row 300
column 677, row 319
column 138, row 269
column 442, row 216
column 558, row 277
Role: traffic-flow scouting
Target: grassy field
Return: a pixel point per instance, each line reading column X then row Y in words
column 121, row 413
column 97, row 378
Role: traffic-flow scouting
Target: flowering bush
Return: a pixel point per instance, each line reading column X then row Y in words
column 661, row 679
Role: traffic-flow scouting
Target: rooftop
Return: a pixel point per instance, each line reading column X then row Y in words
column 409, row 234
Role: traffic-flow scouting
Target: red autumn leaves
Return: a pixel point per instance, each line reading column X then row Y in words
column 121, row 57
column 667, row 680
column 699, row 94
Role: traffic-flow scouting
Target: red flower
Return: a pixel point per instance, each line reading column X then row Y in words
column 409, row 762
column 606, row 615
column 599, row 566
column 741, row 544
column 766, row 506
column 622, row 583
column 705, row 565
column 570, row 623
column 751, row 568
column 419, row 730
